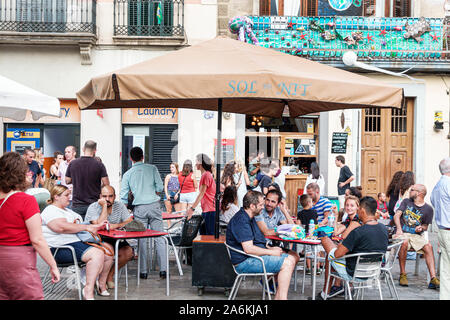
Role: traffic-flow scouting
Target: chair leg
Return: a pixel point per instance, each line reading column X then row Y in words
column 304, row 275
column 393, row 285
column 388, row 282
column 349, row 291
column 379, row 289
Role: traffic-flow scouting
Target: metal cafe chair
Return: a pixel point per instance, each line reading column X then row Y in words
column 367, row 273
column 240, row 276
column 390, row 258
column 61, row 266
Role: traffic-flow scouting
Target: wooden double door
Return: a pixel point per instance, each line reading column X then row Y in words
column 386, row 145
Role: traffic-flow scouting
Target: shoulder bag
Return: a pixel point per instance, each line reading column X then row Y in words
column 176, row 197
column 94, row 240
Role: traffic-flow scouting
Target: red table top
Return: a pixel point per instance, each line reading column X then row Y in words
column 119, row 234
column 168, row 216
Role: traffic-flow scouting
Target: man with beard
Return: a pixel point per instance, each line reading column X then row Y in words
column 117, row 215
column 412, row 219
column 274, row 213
column 243, row 234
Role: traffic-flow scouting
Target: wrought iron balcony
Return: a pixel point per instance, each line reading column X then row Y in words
column 149, row 18
column 48, row 16
column 388, row 42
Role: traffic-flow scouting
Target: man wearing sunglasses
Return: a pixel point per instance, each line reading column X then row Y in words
column 412, row 219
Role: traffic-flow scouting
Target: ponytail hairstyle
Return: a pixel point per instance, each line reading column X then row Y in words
column 57, row 190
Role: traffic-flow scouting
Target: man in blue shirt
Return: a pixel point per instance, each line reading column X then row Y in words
column 243, row 234
column 34, row 167
column 144, row 180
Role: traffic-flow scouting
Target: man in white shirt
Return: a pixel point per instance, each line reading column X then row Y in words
column 440, row 198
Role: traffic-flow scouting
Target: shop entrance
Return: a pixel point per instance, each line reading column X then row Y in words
column 386, row 145
column 48, row 137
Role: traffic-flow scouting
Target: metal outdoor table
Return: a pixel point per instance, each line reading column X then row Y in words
column 314, row 244
column 121, row 235
column 170, row 216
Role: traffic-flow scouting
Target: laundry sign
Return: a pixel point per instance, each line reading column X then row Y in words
column 150, row 115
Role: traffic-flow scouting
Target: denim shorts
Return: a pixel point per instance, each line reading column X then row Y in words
column 252, row 265
column 188, row 197
column 64, row 255
column 339, row 265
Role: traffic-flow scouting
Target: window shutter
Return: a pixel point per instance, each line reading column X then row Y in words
column 402, row 8
column 161, row 147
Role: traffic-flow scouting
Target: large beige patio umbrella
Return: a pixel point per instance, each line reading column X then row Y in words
column 232, row 76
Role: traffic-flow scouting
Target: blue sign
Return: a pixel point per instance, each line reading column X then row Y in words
column 340, row 5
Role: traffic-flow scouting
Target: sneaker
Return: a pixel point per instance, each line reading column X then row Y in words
column 434, row 283
column 403, row 280
column 271, row 288
column 308, row 271
column 335, row 291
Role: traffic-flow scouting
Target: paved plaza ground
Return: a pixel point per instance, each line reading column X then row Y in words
column 181, row 286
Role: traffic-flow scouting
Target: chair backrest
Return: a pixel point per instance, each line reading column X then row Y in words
column 229, row 255
column 190, row 230
column 368, row 265
column 391, row 254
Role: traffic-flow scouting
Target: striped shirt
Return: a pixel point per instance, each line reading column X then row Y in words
column 119, row 213
column 322, row 206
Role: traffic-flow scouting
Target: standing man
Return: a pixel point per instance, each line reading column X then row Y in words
column 87, row 176
column 69, row 153
column 243, row 234
column 412, row 218
column 440, row 199
column 144, row 180
column 33, row 167
column 345, row 177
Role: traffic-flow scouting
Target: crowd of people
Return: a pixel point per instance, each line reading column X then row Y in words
column 252, row 204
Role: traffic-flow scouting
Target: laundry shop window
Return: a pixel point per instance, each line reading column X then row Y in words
column 158, row 141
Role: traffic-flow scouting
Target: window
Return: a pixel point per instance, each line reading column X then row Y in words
column 309, row 8
column 150, row 17
column 41, row 16
column 372, row 120
column 397, row 8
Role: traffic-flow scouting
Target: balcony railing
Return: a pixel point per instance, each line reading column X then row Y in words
column 48, row 16
column 373, row 39
column 149, row 18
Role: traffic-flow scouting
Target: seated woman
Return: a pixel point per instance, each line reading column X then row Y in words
column 59, row 228
column 228, row 206
column 350, row 218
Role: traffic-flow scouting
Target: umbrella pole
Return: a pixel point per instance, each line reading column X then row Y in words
column 218, row 157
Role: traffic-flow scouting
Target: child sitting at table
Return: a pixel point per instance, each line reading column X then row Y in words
column 303, row 218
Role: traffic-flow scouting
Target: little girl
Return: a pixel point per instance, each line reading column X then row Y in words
column 382, row 206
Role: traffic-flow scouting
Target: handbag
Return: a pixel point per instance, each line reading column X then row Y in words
column 94, row 240
column 134, row 226
column 176, row 197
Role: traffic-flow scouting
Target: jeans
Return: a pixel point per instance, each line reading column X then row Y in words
column 252, row 265
column 209, row 219
column 151, row 216
column 444, row 242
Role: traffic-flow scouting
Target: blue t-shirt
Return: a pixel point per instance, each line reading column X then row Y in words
column 321, row 207
column 240, row 229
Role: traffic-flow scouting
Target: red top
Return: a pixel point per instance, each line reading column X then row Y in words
column 208, row 203
column 119, row 234
column 188, row 185
column 17, row 209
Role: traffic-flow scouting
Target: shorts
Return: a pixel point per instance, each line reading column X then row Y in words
column 252, row 265
column 64, row 255
column 339, row 265
column 415, row 241
column 188, row 197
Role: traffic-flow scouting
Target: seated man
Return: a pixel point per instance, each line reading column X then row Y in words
column 321, row 204
column 370, row 237
column 411, row 220
column 117, row 215
column 274, row 213
column 243, row 234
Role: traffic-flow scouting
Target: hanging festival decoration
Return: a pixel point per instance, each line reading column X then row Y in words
column 243, row 26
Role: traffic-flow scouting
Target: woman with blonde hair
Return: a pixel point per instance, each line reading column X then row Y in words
column 350, row 219
column 60, row 227
column 20, row 234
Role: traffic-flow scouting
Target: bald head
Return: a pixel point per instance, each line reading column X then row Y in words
column 418, row 192
column 444, row 166
column 109, row 194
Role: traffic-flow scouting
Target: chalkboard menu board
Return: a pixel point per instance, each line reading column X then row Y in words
column 339, row 142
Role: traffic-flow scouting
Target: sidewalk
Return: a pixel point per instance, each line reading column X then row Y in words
column 181, row 286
